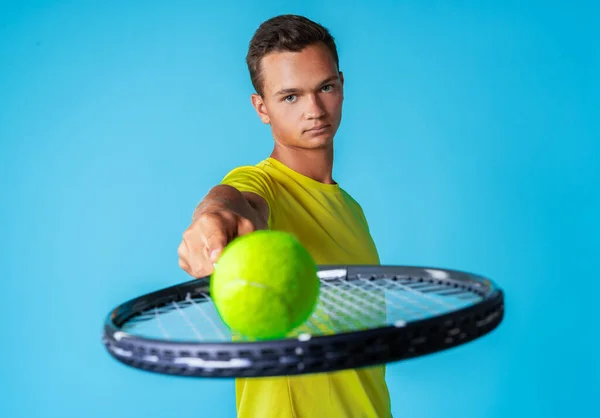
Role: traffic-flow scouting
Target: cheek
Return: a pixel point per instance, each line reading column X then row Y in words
column 287, row 117
column 334, row 105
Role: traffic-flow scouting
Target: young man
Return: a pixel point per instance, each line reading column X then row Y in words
column 294, row 69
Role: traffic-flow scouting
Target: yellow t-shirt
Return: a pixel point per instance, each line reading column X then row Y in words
column 333, row 227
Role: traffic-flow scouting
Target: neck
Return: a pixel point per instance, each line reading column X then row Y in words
column 316, row 164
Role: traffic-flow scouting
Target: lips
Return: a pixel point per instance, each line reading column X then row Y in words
column 317, row 128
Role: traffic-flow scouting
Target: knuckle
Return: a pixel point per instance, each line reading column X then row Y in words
column 204, row 216
column 212, row 216
column 247, row 224
column 200, row 272
column 188, row 235
column 183, row 265
column 223, row 216
column 181, row 250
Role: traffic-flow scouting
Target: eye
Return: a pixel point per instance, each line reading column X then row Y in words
column 290, row 99
column 327, row 88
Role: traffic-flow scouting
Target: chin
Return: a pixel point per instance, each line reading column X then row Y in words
column 317, row 143
column 303, row 141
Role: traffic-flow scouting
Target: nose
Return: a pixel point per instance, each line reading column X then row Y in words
column 315, row 108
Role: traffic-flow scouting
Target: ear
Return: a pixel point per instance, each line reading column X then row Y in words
column 342, row 78
column 261, row 109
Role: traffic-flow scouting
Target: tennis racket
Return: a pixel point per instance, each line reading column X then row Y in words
column 365, row 316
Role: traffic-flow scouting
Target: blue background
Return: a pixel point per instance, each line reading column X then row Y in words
column 470, row 136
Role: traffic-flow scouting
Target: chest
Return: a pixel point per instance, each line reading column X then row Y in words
column 331, row 227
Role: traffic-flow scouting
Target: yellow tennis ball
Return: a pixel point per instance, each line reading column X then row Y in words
column 265, row 284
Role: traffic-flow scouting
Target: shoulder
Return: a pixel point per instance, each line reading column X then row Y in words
column 248, row 172
column 251, row 178
column 353, row 204
column 348, row 197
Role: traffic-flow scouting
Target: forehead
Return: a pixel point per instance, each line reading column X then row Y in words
column 303, row 69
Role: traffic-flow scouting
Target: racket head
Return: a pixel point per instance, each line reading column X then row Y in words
column 366, row 315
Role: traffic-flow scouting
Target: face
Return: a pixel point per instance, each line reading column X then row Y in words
column 302, row 97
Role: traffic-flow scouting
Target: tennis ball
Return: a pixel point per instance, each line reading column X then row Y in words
column 265, row 284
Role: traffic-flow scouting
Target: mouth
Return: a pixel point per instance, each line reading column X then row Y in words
column 318, row 129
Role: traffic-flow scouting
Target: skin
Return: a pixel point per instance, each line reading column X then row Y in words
column 301, row 100
column 302, row 90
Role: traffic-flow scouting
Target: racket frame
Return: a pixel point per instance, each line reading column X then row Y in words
column 308, row 353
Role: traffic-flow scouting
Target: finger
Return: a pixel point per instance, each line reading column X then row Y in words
column 191, row 252
column 215, row 239
column 206, row 271
column 245, row 226
column 182, row 252
column 185, row 261
column 185, row 266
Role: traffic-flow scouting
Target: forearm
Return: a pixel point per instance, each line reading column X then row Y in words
column 223, row 197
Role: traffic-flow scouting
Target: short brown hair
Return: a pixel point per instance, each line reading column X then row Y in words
column 284, row 33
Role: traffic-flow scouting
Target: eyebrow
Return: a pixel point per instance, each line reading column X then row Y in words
column 294, row 90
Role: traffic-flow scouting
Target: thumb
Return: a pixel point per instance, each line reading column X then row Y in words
column 245, row 226
column 216, row 240
column 213, row 255
column 214, row 247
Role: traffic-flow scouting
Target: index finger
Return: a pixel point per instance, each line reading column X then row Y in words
column 215, row 238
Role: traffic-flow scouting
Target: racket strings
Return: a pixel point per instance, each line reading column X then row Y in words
column 397, row 292
column 160, row 324
column 218, row 330
column 187, row 319
column 429, row 301
column 371, row 289
column 439, row 301
column 351, row 306
column 344, row 305
column 330, row 308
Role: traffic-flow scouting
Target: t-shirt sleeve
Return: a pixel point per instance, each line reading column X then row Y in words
column 254, row 180
column 356, row 208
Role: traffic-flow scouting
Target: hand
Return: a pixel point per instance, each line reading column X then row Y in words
column 208, row 235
